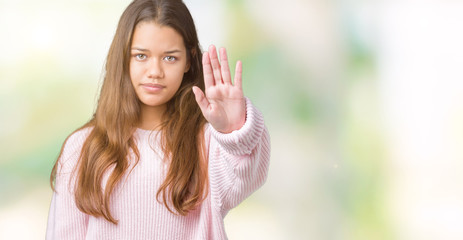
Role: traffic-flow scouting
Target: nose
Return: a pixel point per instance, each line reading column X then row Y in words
column 155, row 69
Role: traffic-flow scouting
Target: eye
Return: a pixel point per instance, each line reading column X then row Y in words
column 140, row 56
column 170, row 58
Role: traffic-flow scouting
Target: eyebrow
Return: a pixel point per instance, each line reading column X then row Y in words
column 141, row 49
column 172, row 51
column 166, row 52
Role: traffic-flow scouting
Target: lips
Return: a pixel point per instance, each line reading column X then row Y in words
column 152, row 87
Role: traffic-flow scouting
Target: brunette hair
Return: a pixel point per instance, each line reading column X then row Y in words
column 111, row 142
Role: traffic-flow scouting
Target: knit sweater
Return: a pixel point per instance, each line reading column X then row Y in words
column 238, row 166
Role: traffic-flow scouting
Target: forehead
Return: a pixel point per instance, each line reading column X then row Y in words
column 155, row 37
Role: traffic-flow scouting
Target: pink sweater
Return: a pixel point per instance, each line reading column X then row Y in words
column 238, row 165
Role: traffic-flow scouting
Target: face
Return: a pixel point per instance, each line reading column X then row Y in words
column 158, row 62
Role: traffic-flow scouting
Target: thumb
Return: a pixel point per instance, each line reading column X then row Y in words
column 202, row 101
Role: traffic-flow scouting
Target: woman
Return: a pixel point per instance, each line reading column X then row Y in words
column 173, row 144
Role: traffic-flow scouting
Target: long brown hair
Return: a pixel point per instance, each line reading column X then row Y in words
column 115, row 119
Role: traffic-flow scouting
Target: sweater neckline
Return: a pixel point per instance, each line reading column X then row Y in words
column 145, row 132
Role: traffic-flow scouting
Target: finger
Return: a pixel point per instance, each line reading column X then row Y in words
column 207, row 71
column 202, row 101
column 238, row 75
column 226, row 77
column 215, row 64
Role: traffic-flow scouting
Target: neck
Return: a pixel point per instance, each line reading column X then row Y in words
column 151, row 117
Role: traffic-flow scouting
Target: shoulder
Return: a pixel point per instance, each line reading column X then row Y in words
column 72, row 147
column 77, row 138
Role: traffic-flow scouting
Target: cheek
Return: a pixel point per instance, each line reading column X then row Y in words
column 177, row 72
column 135, row 71
column 178, row 78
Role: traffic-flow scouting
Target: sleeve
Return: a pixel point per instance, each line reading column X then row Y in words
column 65, row 220
column 238, row 161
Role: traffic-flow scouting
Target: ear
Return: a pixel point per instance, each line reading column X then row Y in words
column 188, row 64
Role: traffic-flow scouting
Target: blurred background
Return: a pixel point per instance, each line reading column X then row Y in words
column 363, row 100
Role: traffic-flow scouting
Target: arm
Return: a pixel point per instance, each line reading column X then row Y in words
column 239, row 160
column 65, row 220
column 240, row 146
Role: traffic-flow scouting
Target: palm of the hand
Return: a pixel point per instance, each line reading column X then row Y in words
column 226, row 108
column 223, row 106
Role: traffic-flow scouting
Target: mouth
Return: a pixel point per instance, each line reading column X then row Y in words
column 152, row 87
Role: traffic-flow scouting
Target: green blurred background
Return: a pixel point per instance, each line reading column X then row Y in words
column 363, row 100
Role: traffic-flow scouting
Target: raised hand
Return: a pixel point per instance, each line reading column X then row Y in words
column 223, row 106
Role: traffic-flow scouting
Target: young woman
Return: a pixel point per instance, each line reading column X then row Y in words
column 173, row 144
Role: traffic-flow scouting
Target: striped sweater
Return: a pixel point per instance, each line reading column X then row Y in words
column 238, row 166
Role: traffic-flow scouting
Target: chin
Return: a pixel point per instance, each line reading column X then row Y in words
column 153, row 102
